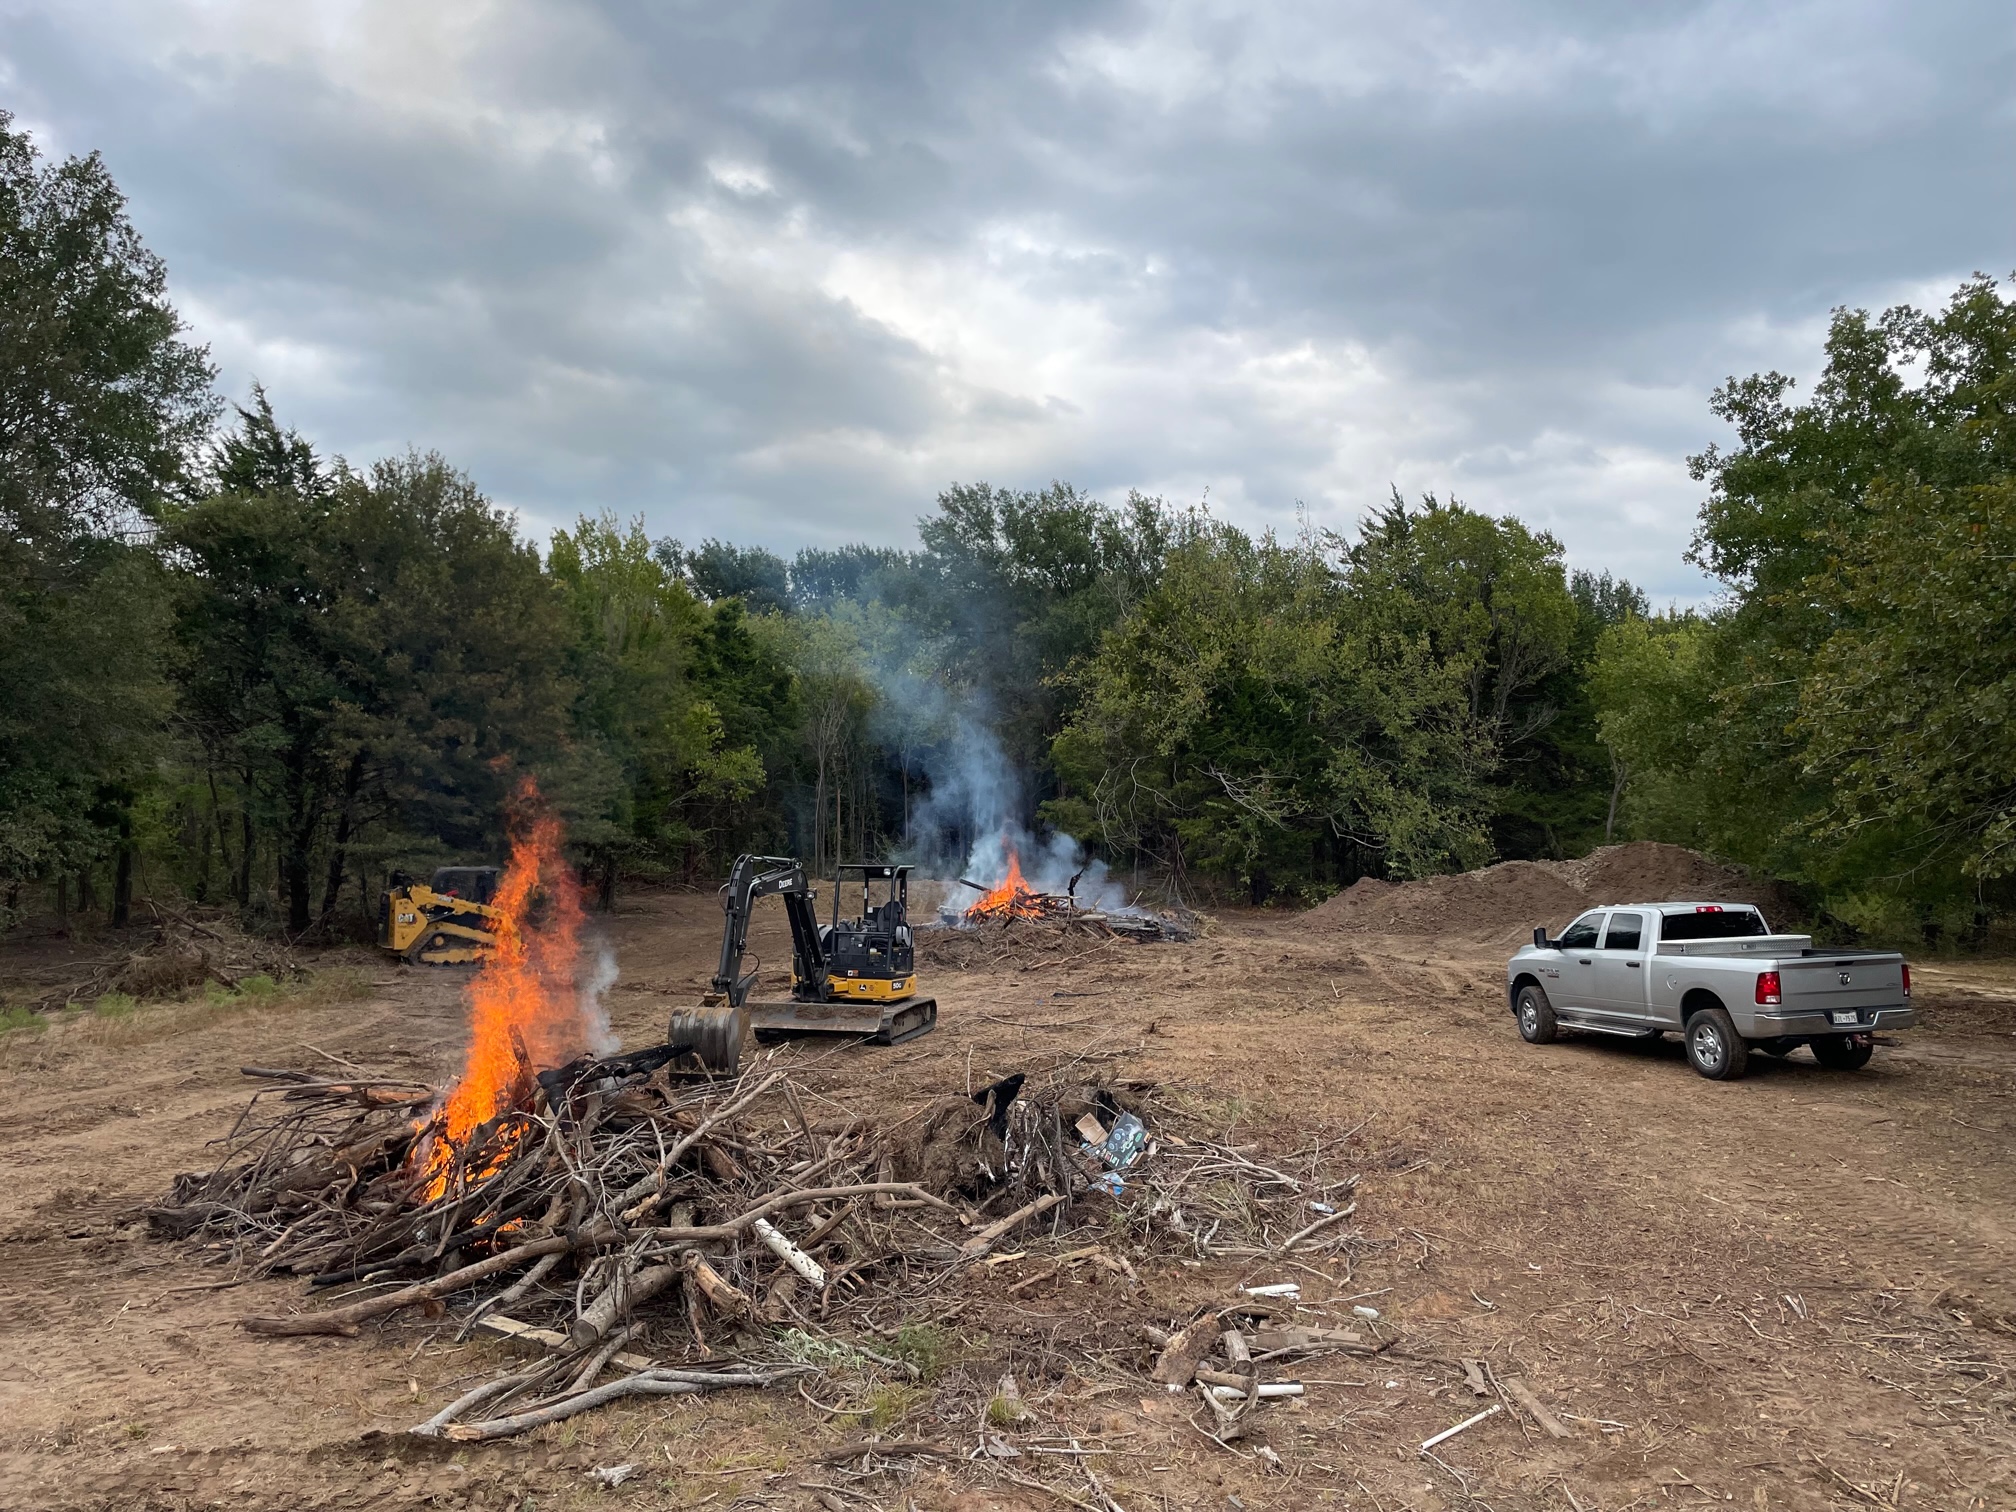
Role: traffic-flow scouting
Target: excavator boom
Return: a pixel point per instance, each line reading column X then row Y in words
column 757, row 877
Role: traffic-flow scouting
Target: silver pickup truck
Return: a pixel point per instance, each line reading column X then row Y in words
column 1716, row 974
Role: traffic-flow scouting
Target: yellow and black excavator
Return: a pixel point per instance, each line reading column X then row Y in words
column 445, row 922
column 854, row 978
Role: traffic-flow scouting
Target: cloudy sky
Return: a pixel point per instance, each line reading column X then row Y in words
column 779, row 273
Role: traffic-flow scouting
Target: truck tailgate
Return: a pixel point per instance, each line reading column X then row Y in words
column 1826, row 984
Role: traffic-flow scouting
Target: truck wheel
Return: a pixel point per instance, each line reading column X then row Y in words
column 1536, row 1016
column 1713, row 1045
column 1842, row 1052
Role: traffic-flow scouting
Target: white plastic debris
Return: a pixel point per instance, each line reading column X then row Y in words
column 1289, row 1289
column 1370, row 1313
column 612, row 1475
column 1268, row 1390
column 1469, row 1422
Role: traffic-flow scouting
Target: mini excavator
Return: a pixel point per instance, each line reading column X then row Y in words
column 445, row 922
column 854, row 978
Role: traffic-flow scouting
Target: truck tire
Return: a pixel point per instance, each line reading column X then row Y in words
column 1536, row 1015
column 1842, row 1052
column 1714, row 1047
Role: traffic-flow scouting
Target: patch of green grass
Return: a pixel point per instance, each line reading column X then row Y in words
column 258, row 985
column 115, row 1005
column 923, row 1346
column 13, row 1018
column 1006, row 1411
column 886, row 1406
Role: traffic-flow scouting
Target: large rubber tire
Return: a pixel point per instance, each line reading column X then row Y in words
column 1842, row 1052
column 1536, row 1015
column 1714, row 1047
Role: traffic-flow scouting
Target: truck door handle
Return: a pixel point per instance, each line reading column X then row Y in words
column 1582, row 960
column 1635, row 965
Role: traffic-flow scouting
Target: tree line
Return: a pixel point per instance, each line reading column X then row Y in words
column 240, row 671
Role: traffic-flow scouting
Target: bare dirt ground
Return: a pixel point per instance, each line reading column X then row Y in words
column 1791, row 1291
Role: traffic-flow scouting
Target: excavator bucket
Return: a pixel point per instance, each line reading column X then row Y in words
column 713, row 1035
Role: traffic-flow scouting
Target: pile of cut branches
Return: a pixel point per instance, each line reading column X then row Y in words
column 1049, row 940
column 184, row 952
column 650, row 1230
column 618, row 1183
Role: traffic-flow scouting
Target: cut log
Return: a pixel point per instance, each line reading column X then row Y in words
column 1178, row 1362
column 621, row 1298
column 1521, row 1393
column 722, row 1295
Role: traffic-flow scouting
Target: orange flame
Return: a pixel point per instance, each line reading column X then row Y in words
column 1011, row 900
column 524, row 1011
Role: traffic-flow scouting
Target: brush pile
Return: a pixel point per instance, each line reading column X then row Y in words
column 612, row 1184
column 651, row 1230
column 185, row 952
column 1030, row 941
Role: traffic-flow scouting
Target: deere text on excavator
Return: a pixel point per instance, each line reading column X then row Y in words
column 854, row 978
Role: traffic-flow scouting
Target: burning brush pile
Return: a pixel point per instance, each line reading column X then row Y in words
column 1014, row 923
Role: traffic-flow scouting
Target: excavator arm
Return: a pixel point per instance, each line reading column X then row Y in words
column 756, row 877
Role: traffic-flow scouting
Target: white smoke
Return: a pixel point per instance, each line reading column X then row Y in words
column 977, row 794
column 590, row 1007
column 1055, row 863
column 971, row 812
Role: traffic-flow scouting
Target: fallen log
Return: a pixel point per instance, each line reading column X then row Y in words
column 1521, row 1393
column 643, row 1383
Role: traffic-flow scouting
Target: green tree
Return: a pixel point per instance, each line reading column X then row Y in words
column 355, row 652
column 1490, row 598
column 102, row 403
column 639, row 641
column 1249, row 719
column 1909, row 711
column 1834, row 707
column 718, row 570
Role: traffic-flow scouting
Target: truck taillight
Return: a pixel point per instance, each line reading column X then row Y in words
column 1768, row 990
column 1907, row 979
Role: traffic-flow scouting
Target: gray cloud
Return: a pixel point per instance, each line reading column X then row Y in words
column 782, row 272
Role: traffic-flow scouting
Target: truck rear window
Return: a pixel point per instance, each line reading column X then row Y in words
column 1722, row 924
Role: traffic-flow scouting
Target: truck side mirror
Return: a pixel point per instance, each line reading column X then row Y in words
column 1540, row 940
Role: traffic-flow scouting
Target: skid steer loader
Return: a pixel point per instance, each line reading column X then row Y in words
column 445, row 922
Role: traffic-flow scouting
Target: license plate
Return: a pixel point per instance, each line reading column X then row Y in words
column 1845, row 1016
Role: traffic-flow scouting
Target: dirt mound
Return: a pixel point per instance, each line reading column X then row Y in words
column 1516, row 895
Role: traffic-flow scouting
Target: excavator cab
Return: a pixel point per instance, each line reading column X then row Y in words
column 871, row 957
